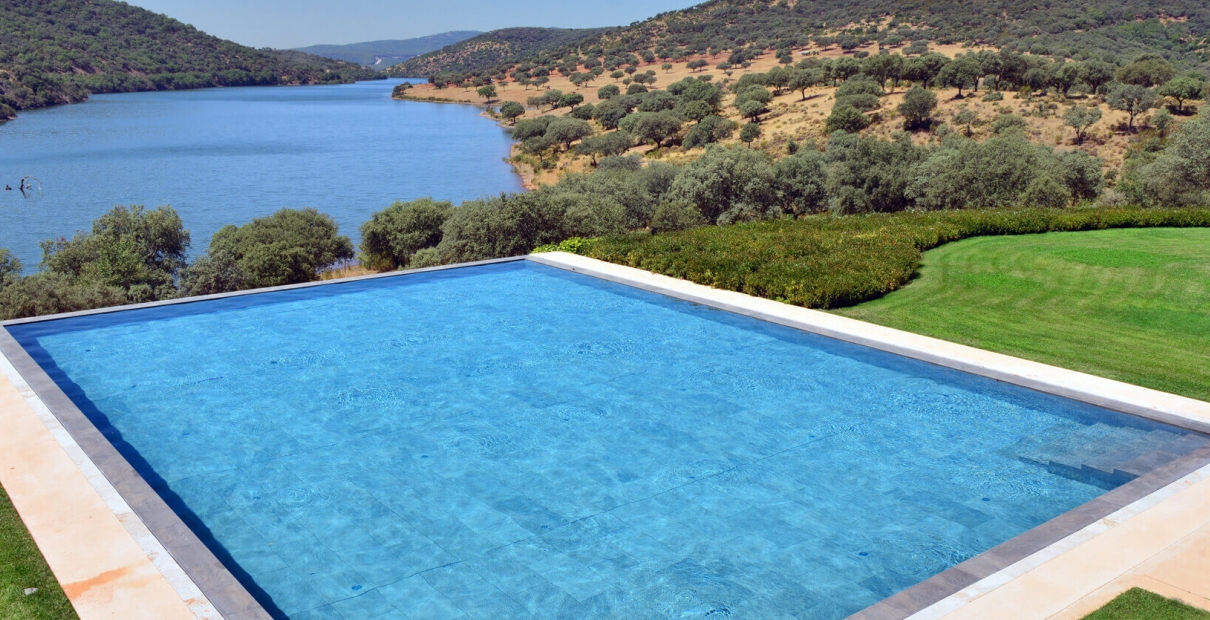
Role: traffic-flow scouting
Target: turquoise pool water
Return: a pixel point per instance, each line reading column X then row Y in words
column 513, row 440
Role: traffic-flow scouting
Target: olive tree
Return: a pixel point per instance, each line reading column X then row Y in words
column 511, row 110
column 1132, row 99
column 1081, row 119
column 392, row 236
column 917, row 107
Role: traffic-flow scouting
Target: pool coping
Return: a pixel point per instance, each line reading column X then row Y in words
column 232, row 600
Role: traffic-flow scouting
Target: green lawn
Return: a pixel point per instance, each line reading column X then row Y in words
column 1138, row 604
column 1128, row 304
column 22, row 567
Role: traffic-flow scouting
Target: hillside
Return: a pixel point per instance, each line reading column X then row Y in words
column 1176, row 29
column 491, row 49
column 383, row 54
column 60, row 51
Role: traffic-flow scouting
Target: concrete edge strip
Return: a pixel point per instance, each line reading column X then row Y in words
column 186, row 563
column 1006, row 575
column 1001, row 563
column 181, row 583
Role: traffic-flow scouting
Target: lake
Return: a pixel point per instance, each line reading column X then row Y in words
column 228, row 155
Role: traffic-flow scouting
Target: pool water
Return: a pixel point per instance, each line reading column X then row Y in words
column 514, row 440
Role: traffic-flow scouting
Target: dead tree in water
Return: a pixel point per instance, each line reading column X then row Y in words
column 29, row 186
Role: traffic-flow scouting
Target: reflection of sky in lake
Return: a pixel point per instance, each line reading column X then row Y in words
column 225, row 156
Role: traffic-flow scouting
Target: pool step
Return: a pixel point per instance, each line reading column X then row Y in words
column 1106, row 455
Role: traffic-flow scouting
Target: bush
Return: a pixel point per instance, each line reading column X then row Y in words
column 51, row 292
column 289, row 247
column 829, row 261
column 727, row 184
column 506, row 225
column 848, row 119
column 127, row 248
column 394, row 234
column 676, row 215
column 710, row 130
column 428, row 257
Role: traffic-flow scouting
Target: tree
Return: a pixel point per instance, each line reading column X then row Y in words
column 1132, row 99
column 727, row 185
column 1067, row 75
column 654, row 126
column 1182, row 89
column 963, row 72
column 617, row 75
column 1163, row 122
column 10, row 268
column 289, row 247
column 608, row 91
column 538, row 145
column 551, row 98
column 848, row 119
column 567, row 130
column 1148, row 70
column 134, row 250
column 392, row 236
column 1081, row 119
column 967, row 118
column 778, row 78
column 512, row 110
column 1098, row 73
column 695, row 65
column 709, row 130
column 750, row 132
column 752, row 102
column 924, row 69
column 605, row 145
column 487, row 92
column 672, row 215
column 917, row 107
column 666, row 66
column 884, row 67
column 570, row 100
column 802, row 79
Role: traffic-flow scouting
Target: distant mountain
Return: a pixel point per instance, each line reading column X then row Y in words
column 60, row 51
column 491, row 49
column 382, row 54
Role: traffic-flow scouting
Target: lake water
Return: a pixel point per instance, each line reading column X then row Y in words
column 225, row 156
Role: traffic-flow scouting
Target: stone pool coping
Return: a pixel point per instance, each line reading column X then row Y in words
column 209, row 590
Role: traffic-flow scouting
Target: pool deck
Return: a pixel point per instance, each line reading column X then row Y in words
column 111, row 564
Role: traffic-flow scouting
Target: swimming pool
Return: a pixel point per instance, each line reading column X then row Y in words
column 514, row 440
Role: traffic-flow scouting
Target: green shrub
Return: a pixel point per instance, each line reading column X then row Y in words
column 394, row 234
column 676, row 215
column 427, row 257
column 289, row 247
column 829, row 261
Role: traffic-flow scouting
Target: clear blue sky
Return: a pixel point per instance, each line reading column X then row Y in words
column 298, row 23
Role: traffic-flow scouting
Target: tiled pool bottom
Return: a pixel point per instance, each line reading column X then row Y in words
column 514, row 440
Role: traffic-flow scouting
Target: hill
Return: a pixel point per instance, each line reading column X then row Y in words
column 382, row 54
column 491, row 49
column 1111, row 29
column 60, row 51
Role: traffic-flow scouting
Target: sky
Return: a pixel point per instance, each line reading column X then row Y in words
column 299, row 23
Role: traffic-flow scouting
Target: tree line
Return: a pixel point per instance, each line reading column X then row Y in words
column 1106, row 30
column 135, row 255
column 60, row 52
